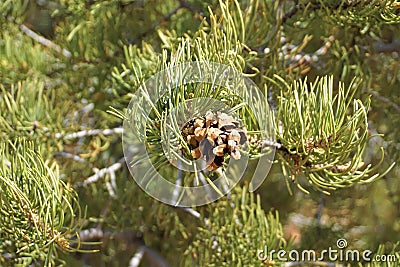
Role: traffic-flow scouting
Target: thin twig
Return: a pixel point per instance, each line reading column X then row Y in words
column 167, row 17
column 44, row 41
column 225, row 186
column 318, row 214
column 178, row 183
column 80, row 134
column 154, row 258
column 192, row 212
column 386, row 48
column 113, row 182
column 271, row 144
column 385, row 100
column 290, row 13
column 69, row 156
column 302, row 59
column 154, row 26
column 101, row 173
column 137, row 258
column 91, row 234
column 110, row 188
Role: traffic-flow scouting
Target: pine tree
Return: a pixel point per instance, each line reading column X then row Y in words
column 328, row 72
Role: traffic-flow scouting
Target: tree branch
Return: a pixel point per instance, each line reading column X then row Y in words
column 291, row 12
column 385, row 100
column 44, row 41
column 386, row 47
column 154, row 26
column 137, row 258
column 85, row 133
column 69, row 156
column 154, row 258
column 101, row 173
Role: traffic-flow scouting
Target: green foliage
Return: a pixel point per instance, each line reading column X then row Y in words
column 328, row 133
column 385, row 250
column 16, row 62
column 320, row 137
column 26, row 107
column 39, row 213
column 234, row 232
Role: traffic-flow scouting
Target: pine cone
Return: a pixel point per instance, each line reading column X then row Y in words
column 212, row 137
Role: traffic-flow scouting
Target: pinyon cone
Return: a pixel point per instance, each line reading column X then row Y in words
column 213, row 136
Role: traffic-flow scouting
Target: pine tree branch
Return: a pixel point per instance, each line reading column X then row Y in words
column 325, row 158
column 341, row 5
column 294, row 57
column 178, row 183
column 112, row 185
column 382, row 47
column 167, row 17
column 148, row 253
column 291, row 12
column 304, row 60
column 84, row 133
column 46, row 208
column 69, row 156
column 152, row 28
column 385, row 100
column 137, row 258
column 101, row 173
column 154, row 258
column 318, row 214
column 44, row 41
column 192, row 212
column 271, row 143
